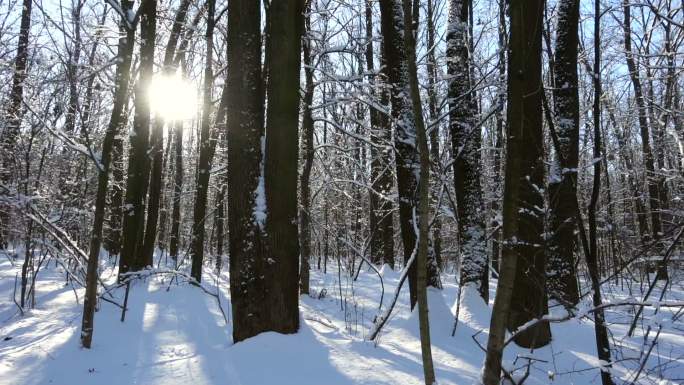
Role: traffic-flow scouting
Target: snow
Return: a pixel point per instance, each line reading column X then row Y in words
column 175, row 334
column 260, row 193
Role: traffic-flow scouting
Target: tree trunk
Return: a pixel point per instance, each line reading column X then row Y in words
column 381, row 223
column 220, row 219
column 406, row 156
column 308, row 138
column 205, row 154
column 138, row 160
column 162, row 241
column 286, row 24
column 174, row 239
column 262, row 209
column 466, row 140
column 244, row 133
column 522, row 219
column 561, row 276
column 498, row 140
column 423, row 209
column 434, row 130
column 601, row 330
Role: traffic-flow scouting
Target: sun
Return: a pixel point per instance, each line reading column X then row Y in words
column 172, row 97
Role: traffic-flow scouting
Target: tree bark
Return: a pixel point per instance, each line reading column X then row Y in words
column 561, row 276
column 262, row 168
column 116, row 195
column 523, row 200
column 286, row 25
column 499, row 140
column 381, row 223
column 174, row 239
column 466, row 141
column 245, row 131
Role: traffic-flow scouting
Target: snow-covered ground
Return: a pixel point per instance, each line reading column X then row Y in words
column 175, row 334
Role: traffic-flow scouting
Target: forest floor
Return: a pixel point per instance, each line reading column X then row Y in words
column 175, row 334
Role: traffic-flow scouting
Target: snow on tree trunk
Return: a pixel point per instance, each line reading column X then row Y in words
column 466, row 140
column 406, row 156
column 262, row 169
column 561, row 277
column 520, row 289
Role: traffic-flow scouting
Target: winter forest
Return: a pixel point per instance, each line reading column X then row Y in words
column 329, row 192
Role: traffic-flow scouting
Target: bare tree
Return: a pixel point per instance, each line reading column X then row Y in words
column 116, row 123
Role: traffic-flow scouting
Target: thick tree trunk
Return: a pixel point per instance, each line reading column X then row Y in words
column 138, row 160
column 245, row 131
column 116, row 124
column 406, row 156
column 281, row 270
column 162, row 241
column 561, row 276
column 520, row 289
column 466, row 140
column 262, row 209
column 381, row 223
